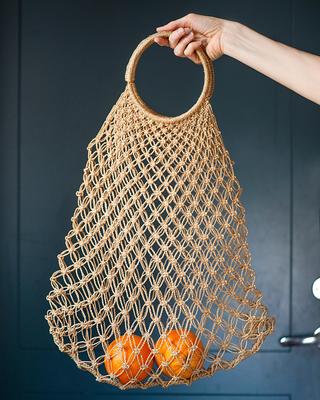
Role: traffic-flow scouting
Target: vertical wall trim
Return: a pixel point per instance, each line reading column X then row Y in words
column 291, row 112
column 19, row 70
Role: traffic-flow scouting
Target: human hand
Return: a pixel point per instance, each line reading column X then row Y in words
column 191, row 32
column 293, row 68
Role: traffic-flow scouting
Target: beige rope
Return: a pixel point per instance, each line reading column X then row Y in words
column 155, row 286
column 131, row 72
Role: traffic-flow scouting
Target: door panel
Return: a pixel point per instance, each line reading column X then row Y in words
column 62, row 75
column 61, row 112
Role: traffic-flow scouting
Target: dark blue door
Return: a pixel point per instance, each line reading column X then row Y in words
column 62, row 70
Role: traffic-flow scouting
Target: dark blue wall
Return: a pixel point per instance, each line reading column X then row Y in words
column 62, row 70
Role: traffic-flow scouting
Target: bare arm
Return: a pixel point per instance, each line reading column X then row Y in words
column 295, row 69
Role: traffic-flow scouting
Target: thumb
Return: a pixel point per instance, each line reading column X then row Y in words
column 173, row 25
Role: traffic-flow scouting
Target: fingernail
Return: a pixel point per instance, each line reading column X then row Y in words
column 187, row 30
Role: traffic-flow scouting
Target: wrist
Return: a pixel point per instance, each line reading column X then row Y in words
column 231, row 37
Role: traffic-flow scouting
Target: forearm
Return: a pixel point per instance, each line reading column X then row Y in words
column 295, row 69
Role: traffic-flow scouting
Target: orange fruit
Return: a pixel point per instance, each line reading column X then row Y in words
column 129, row 357
column 179, row 353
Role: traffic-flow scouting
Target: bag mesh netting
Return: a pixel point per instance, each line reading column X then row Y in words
column 155, row 286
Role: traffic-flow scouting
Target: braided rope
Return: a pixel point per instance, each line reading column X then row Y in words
column 155, row 286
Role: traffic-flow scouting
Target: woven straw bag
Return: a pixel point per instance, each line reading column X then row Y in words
column 155, row 286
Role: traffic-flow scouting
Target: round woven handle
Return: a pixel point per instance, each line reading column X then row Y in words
column 131, row 73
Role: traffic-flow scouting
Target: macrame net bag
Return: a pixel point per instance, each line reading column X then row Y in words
column 155, row 286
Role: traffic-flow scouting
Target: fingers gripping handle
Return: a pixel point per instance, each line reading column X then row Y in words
column 146, row 43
